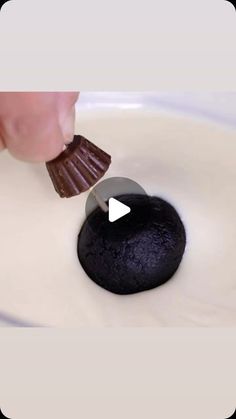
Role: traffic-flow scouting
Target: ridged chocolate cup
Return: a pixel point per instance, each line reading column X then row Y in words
column 78, row 167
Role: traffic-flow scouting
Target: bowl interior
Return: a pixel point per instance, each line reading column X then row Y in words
column 187, row 162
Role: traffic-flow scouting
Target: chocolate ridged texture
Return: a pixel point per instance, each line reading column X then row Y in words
column 78, row 167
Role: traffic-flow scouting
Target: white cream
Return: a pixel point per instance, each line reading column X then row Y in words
column 189, row 163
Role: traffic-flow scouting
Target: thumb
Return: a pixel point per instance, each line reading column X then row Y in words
column 36, row 144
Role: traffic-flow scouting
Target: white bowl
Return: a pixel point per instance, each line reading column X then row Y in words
column 190, row 162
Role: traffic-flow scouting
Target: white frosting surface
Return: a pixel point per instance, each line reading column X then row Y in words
column 189, row 163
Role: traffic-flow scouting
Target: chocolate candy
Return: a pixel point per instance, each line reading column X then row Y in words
column 78, row 167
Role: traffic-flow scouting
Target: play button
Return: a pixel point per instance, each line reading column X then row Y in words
column 117, row 210
column 107, row 196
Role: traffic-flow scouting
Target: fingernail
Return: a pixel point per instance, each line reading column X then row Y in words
column 68, row 128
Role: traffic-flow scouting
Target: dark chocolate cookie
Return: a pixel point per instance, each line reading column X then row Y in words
column 135, row 253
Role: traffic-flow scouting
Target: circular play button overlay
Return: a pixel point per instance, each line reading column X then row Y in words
column 108, row 195
column 117, row 210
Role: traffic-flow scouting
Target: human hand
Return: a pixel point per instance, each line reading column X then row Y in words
column 35, row 126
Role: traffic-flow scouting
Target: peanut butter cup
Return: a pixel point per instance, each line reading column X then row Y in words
column 78, row 167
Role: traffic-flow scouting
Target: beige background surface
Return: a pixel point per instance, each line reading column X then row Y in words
column 125, row 45
column 116, row 373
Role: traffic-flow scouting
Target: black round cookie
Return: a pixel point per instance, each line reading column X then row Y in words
column 140, row 251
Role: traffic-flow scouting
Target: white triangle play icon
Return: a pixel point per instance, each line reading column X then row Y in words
column 117, row 210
